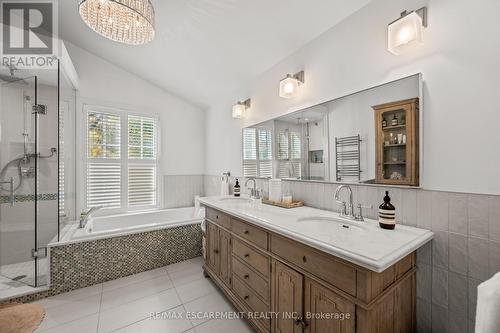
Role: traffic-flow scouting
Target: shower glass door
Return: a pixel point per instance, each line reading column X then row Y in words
column 19, row 182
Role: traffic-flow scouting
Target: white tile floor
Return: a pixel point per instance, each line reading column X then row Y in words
column 126, row 304
column 25, row 278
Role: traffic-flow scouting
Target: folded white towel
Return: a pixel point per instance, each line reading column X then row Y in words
column 488, row 306
column 224, row 186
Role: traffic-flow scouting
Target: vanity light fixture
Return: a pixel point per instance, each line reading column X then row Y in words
column 289, row 86
column 126, row 21
column 240, row 108
column 406, row 31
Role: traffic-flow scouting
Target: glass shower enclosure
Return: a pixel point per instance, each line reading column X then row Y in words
column 29, row 174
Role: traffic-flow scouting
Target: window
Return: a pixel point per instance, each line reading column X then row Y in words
column 121, row 165
column 289, row 154
column 257, row 152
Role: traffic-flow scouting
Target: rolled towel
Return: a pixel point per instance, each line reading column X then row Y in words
column 488, row 306
column 224, row 186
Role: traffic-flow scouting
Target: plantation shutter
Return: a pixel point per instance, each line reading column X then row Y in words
column 289, row 154
column 257, row 152
column 103, row 160
column 142, row 154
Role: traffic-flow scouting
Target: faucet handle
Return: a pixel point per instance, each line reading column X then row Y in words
column 359, row 213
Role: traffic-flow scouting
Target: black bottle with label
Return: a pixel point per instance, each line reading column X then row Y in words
column 387, row 213
column 237, row 189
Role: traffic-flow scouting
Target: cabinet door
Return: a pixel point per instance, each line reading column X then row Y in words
column 286, row 299
column 213, row 247
column 225, row 256
column 326, row 311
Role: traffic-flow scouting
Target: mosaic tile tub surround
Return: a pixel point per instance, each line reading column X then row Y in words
column 79, row 265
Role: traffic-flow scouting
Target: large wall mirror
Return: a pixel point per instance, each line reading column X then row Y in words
column 372, row 136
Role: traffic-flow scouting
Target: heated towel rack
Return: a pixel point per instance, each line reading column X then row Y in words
column 347, row 157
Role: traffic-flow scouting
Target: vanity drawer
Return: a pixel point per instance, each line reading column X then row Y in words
column 249, row 296
column 251, row 257
column 324, row 266
column 219, row 218
column 250, row 233
column 257, row 283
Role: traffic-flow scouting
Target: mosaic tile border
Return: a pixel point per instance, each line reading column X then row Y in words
column 79, row 265
column 29, row 197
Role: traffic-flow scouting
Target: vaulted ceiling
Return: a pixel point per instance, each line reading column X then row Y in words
column 206, row 48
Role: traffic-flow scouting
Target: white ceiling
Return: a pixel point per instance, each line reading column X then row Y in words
column 205, row 48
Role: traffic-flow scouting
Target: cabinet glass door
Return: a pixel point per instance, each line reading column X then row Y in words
column 395, row 145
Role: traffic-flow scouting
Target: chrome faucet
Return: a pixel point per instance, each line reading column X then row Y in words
column 85, row 216
column 254, row 193
column 347, row 209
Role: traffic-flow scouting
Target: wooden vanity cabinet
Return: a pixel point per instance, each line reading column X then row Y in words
column 309, row 290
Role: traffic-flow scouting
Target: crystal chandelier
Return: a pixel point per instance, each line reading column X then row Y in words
column 125, row 21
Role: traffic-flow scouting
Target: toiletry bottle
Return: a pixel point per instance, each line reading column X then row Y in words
column 384, row 122
column 394, row 121
column 237, row 188
column 387, row 213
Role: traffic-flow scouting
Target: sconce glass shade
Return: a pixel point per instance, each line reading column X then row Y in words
column 289, row 87
column 405, row 33
column 239, row 110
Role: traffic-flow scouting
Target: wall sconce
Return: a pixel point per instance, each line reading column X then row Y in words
column 289, row 86
column 240, row 108
column 406, row 31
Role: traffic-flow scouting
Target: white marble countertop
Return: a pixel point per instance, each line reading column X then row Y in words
column 363, row 243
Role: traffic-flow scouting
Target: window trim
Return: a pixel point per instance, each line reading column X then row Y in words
column 82, row 162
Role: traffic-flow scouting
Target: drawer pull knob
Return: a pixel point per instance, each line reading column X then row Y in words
column 246, row 232
column 216, row 217
column 304, row 259
column 216, row 251
column 246, row 276
column 300, row 321
column 246, row 255
column 246, row 297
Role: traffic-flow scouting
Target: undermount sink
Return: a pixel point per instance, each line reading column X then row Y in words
column 320, row 220
column 236, row 200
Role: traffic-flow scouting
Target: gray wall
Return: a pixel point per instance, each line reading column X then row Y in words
column 465, row 250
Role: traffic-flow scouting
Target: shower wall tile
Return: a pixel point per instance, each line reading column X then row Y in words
column 458, row 218
column 478, row 258
column 440, row 319
column 478, row 208
column 410, row 207
column 439, row 211
column 440, row 287
column 440, row 249
column 180, row 190
column 458, row 253
column 494, row 217
column 457, row 293
column 494, row 265
column 457, row 323
column 424, row 204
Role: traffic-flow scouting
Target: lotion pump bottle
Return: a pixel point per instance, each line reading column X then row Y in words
column 387, row 213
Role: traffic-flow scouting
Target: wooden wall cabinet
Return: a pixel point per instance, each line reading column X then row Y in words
column 311, row 291
column 397, row 143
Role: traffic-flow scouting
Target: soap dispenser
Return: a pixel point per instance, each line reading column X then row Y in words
column 237, row 189
column 387, row 213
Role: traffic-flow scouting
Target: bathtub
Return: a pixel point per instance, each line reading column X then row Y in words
column 125, row 224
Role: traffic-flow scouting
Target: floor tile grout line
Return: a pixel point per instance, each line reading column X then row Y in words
column 99, row 313
column 146, row 318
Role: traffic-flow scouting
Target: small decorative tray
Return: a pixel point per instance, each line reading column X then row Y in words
column 293, row 204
